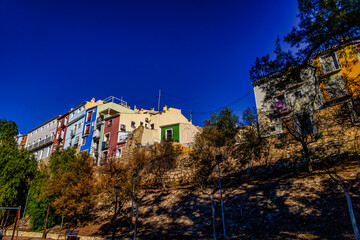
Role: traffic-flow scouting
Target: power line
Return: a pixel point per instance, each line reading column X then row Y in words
column 187, row 100
column 227, row 105
column 144, row 100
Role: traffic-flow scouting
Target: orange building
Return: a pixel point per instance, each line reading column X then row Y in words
column 338, row 71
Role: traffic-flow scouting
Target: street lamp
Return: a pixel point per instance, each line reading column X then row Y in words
column 117, row 191
column 132, row 200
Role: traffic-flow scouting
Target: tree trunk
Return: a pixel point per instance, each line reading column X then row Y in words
column 307, row 156
column 46, row 219
column 114, row 219
column 352, row 215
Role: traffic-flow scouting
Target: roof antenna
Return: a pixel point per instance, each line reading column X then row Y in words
column 159, row 101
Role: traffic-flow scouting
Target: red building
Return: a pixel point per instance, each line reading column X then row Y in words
column 111, row 146
column 60, row 132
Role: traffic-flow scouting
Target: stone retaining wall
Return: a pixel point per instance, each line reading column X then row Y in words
column 52, row 235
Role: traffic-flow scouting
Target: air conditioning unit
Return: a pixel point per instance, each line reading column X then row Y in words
column 147, row 120
column 123, row 127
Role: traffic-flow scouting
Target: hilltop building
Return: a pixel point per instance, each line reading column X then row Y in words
column 40, row 139
column 332, row 79
column 101, row 129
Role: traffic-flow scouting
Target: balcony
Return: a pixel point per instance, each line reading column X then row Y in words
column 41, row 143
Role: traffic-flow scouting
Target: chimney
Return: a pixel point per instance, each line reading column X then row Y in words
column 165, row 108
column 93, row 100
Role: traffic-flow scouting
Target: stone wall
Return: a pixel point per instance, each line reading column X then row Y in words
column 335, row 136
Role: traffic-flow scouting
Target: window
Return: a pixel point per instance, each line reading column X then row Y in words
column 89, row 116
column 304, row 123
column 83, row 142
column 123, row 127
column 107, row 139
column 280, row 102
column 118, row 152
column 169, row 135
column 335, row 86
column 76, row 140
column 329, row 63
column 105, row 155
column 133, row 125
column 59, row 124
column 153, row 126
column 141, row 124
column 79, row 125
column 87, row 129
column 110, row 122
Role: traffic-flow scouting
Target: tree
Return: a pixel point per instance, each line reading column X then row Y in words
column 212, row 146
column 252, row 143
column 162, row 159
column 18, row 167
column 37, row 207
column 322, row 24
column 217, row 138
column 71, row 185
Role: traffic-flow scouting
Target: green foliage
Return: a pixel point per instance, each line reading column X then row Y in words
column 37, row 207
column 279, row 145
column 221, row 129
column 217, row 137
column 319, row 136
column 8, row 131
column 322, row 24
column 17, row 167
column 252, row 145
column 59, row 160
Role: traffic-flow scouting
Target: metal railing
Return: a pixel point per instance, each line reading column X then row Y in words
column 40, row 143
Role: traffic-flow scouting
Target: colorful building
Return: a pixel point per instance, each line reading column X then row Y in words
column 338, row 70
column 60, row 132
column 87, row 131
column 74, row 134
column 41, row 138
column 105, row 112
column 21, row 140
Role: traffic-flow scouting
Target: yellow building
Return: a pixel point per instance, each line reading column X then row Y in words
column 338, row 71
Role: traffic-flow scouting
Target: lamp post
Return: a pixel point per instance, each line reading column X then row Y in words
column 117, row 190
column 132, row 200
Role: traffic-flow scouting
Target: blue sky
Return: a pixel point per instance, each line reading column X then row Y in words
column 56, row 54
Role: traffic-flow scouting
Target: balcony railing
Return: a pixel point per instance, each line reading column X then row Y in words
column 41, row 143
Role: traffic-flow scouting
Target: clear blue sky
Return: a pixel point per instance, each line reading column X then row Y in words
column 56, row 54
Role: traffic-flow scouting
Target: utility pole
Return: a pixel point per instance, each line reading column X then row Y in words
column 159, row 100
column 191, row 112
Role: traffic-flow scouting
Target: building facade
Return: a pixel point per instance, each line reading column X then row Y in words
column 40, row 139
column 61, row 132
